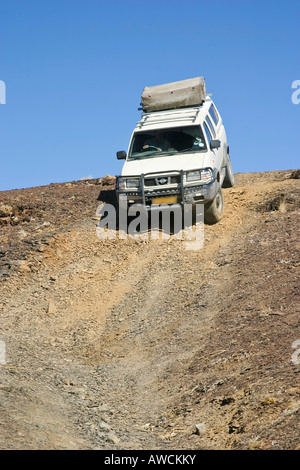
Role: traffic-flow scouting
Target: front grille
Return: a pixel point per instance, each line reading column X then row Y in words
column 155, row 181
column 175, row 179
column 150, row 182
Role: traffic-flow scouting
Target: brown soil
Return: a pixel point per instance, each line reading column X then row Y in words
column 143, row 344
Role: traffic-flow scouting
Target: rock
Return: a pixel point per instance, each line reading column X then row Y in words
column 108, row 180
column 23, row 266
column 22, row 234
column 5, row 220
column 5, row 210
column 111, row 437
column 104, row 426
column 4, row 274
column 268, row 401
column 104, row 408
column 200, row 429
column 295, row 174
column 15, row 220
column 52, row 307
column 226, row 401
column 235, row 427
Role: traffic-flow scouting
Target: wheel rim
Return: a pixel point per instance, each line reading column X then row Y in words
column 219, row 205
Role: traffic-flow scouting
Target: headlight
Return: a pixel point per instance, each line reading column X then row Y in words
column 121, row 183
column 193, row 175
column 206, row 175
column 203, row 176
column 132, row 183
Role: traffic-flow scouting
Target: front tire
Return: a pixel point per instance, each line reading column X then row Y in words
column 213, row 211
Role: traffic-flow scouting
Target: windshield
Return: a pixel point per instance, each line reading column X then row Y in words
column 167, row 142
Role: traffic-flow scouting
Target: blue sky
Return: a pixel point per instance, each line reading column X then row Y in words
column 75, row 69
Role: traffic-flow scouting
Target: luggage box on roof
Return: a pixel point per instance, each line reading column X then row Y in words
column 174, row 95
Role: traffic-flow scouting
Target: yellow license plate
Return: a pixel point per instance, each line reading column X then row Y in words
column 164, row 200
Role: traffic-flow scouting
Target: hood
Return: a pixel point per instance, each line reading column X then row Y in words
column 186, row 161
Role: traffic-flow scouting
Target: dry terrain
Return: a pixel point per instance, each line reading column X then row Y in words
column 143, row 344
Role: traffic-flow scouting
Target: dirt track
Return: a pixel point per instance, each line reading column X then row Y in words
column 127, row 344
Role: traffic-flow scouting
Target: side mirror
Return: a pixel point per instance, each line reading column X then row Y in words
column 215, row 144
column 121, row 155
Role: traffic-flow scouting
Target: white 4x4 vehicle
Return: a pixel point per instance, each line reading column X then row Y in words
column 178, row 152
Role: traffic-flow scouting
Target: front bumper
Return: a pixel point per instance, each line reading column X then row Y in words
column 181, row 193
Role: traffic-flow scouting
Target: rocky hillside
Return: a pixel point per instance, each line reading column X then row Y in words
column 143, row 344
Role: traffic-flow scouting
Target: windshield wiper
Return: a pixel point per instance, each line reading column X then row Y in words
column 168, row 152
column 139, row 157
column 191, row 150
column 152, row 154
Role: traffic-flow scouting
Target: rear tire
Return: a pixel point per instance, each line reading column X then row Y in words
column 213, row 211
column 229, row 177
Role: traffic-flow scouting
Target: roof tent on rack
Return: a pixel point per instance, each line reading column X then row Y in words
column 180, row 94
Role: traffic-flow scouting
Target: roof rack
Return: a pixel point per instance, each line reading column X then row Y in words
column 180, row 114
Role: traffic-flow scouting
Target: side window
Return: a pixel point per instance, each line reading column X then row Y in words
column 214, row 114
column 208, row 135
column 210, row 126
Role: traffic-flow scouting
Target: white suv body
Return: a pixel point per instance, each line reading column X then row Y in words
column 191, row 169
